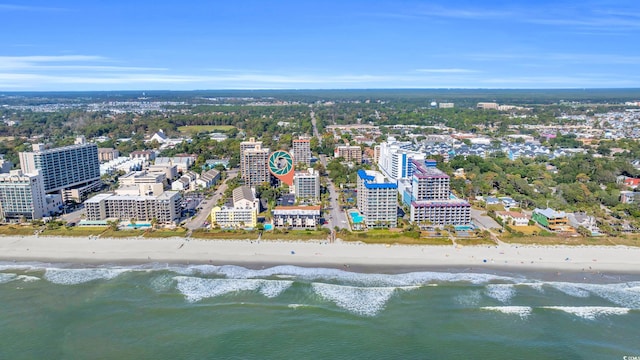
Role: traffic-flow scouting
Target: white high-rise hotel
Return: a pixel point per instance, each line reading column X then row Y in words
column 395, row 159
column 307, row 185
column 21, row 196
column 75, row 166
column 377, row 199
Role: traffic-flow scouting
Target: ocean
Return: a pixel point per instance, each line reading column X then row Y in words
column 160, row 311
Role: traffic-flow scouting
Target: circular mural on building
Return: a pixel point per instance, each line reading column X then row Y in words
column 281, row 166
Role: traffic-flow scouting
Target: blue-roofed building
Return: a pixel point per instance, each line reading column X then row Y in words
column 377, row 199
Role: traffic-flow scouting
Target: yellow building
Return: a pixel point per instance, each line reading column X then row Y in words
column 243, row 214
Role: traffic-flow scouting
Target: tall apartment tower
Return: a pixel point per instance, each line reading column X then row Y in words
column 247, row 145
column 377, row 199
column 75, row 166
column 302, row 151
column 253, row 165
column 21, row 196
column 307, row 185
column 431, row 199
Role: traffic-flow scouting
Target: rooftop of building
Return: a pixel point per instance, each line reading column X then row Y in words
column 513, row 214
column 550, row 213
column 427, row 169
column 375, row 180
column 243, row 193
column 440, row 203
column 297, row 210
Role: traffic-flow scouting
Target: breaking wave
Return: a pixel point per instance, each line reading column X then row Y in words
column 522, row 311
column 195, row 289
column 366, row 301
column 590, row 312
column 501, row 292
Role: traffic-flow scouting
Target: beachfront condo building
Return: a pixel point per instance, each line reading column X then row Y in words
column 22, row 196
column 74, row 167
column 307, row 185
column 430, row 199
column 302, row 151
column 243, row 213
column 377, row 199
column 164, row 207
column 253, row 163
column 348, row 153
column 299, row 217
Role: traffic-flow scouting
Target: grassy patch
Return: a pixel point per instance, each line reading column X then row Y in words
column 165, row 233
column 295, row 235
column 17, row 230
column 121, row 233
column 474, row 241
column 225, row 234
column 195, row 129
column 384, row 236
column 556, row 240
column 74, row 231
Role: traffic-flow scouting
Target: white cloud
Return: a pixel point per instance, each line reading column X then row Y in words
column 447, row 71
column 12, row 7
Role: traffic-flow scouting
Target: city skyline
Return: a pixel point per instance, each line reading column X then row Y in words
column 73, row 45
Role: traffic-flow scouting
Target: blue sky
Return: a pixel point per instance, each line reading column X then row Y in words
column 184, row 45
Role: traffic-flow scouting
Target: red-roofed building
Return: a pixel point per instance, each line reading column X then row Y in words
column 632, row 182
column 513, row 218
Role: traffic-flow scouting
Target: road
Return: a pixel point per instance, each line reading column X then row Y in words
column 313, row 123
column 336, row 216
column 74, row 216
column 208, row 204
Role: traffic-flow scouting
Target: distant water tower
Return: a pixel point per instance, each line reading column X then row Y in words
column 434, row 104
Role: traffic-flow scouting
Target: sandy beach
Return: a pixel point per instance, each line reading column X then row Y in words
column 92, row 250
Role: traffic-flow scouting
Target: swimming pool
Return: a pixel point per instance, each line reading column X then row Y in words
column 356, row 217
column 464, row 227
column 139, row 225
column 268, row 226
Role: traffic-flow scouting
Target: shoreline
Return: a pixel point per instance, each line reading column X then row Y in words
column 550, row 262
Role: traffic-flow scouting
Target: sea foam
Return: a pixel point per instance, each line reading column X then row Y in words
column 79, row 276
column 7, row 277
column 365, row 301
column 195, row 288
column 590, row 312
column 501, row 292
column 522, row 311
column 345, row 277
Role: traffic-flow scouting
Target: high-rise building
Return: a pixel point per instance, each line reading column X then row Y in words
column 254, row 167
column 351, row 153
column 395, row 159
column 22, row 196
column 69, row 167
column 302, row 151
column 307, row 185
column 431, row 200
column 377, row 199
column 246, row 145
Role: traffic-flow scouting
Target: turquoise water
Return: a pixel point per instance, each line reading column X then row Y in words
column 464, row 227
column 356, row 217
column 268, row 226
column 203, row 312
column 139, row 225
